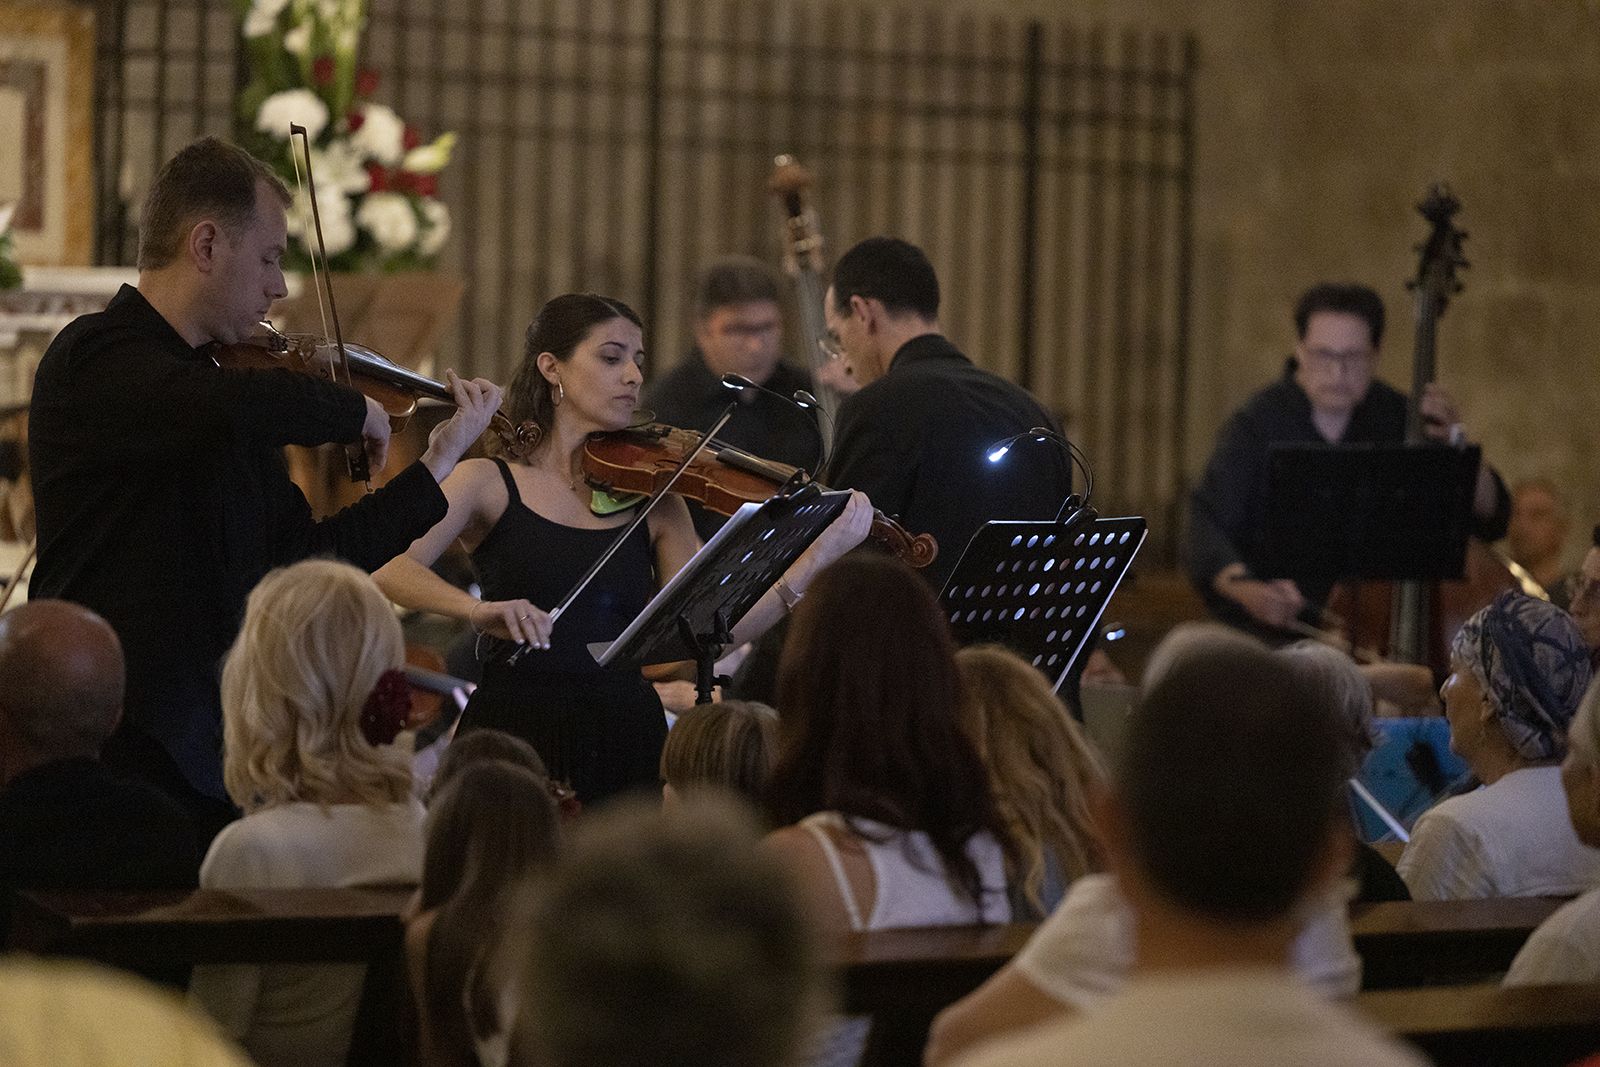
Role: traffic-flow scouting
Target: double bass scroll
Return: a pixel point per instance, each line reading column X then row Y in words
column 791, row 183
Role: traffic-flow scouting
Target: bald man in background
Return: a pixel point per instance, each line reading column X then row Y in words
column 66, row 821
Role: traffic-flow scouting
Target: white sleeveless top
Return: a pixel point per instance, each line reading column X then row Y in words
column 912, row 887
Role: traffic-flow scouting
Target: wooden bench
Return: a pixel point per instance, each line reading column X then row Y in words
column 1487, row 1026
column 1442, row 942
column 149, row 933
column 900, row 977
column 903, row 978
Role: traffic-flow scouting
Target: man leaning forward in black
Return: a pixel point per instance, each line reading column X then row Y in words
column 161, row 488
column 916, row 437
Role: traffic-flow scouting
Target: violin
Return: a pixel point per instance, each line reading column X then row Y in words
column 722, row 479
column 394, row 387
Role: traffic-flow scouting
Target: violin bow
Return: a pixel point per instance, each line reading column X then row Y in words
column 322, row 283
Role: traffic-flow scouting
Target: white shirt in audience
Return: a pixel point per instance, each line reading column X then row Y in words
column 911, row 889
column 1565, row 949
column 1509, row 839
column 1082, row 954
column 1220, row 1018
column 299, row 1015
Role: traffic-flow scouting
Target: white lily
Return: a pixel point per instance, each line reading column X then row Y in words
column 430, row 158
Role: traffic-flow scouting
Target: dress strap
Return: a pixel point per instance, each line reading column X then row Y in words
column 816, row 825
column 511, row 483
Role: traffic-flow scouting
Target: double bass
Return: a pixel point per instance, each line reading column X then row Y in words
column 802, row 258
column 1414, row 621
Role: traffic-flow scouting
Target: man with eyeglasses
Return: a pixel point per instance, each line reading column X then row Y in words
column 1585, row 602
column 738, row 329
column 1328, row 394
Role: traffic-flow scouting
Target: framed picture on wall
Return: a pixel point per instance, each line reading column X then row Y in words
column 46, row 130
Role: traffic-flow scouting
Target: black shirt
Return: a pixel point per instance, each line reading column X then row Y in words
column 1228, row 509
column 72, row 824
column 917, row 442
column 691, row 396
column 162, row 498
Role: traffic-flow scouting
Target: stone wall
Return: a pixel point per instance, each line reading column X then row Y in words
column 1321, row 124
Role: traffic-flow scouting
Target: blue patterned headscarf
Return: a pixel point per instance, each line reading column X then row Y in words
column 1531, row 661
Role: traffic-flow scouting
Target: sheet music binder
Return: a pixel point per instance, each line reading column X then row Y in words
column 729, row 574
column 1380, row 511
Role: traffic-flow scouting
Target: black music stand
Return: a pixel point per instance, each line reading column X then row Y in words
column 1379, row 511
column 1040, row 588
column 692, row 615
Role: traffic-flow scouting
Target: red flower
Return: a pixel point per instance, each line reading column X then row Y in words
column 353, row 121
column 426, row 185
column 322, row 70
column 410, row 139
column 366, row 81
column 380, row 177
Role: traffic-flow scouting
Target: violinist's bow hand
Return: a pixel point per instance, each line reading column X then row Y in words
column 476, row 400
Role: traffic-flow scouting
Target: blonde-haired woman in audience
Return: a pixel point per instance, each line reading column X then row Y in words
column 312, row 700
column 1565, row 949
column 730, row 745
column 491, row 828
column 1041, row 769
column 1518, row 669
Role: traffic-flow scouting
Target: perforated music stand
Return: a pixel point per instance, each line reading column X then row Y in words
column 1385, row 511
column 691, row 616
column 1040, row 588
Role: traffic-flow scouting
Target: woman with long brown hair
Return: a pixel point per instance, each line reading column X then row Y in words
column 533, row 526
column 884, row 804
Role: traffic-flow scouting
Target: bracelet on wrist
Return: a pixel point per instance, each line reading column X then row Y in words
column 787, row 594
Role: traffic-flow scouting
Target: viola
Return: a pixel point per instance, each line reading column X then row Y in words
column 395, row 388
column 722, row 479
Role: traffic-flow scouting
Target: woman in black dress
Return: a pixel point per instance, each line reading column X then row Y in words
column 533, row 526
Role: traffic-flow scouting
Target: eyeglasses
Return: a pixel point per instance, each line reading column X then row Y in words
column 1332, row 359
column 830, row 346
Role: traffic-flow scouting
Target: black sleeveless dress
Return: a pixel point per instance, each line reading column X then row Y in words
column 600, row 728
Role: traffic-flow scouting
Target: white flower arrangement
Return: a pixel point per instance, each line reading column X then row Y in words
column 377, row 181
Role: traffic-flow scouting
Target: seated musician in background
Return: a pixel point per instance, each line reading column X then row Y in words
column 533, row 526
column 67, row 822
column 1327, row 394
column 1218, row 860
column 1536, row 538
column 738, row 329
column 159, row 479
column 917, row 435
column 1565, row 949
column 1519, row 668
column 1585, row 601
column 1086, row 949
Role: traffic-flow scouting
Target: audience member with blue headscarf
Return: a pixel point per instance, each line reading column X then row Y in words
column 1518, row 670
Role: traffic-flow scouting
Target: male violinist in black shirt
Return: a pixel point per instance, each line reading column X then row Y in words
column 1327, row 395
column 162, row 493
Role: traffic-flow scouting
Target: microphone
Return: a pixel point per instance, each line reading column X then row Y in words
column 1074, row 509
column 799, row 399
